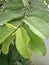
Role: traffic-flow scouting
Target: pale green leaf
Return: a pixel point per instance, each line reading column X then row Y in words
column 3, row 60
column 6, row 44
column 5, row 31
column 36, row 43
column 39, row 9
column 25, row 2
column 22, row 40
column 38, row 5
column 40, row 14
column 38, row 26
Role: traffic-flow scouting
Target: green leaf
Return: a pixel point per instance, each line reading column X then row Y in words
column 25, row 2
column 36, row 43
column 38, row 26
column 38, row 5
column 6, row 44
column 40, row 14
column 5, row 31
column 39, row 9
column 22, row 40
column 7, row 15
column 13, row 4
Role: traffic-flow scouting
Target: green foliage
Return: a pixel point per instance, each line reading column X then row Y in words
column 36, row 43
column 6, row 31
column 6, row 44
column 25, row 24
column 38, row 26
column 13, row 58
column 25, row 2
column 22, row 40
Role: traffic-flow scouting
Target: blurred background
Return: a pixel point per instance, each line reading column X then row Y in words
column 41, row 60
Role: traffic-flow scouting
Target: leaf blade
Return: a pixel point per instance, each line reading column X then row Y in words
column 22, row 43
column 36, row 43
column 7, row 16
column 6, row 44
column 25, row 2
column 38, row 26
column 5, row 31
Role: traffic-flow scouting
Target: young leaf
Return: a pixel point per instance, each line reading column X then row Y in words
column 38, row 26
column 36, row 43
column 6, row 44
column 22, row 40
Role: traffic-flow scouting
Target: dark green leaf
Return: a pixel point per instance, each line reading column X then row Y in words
column 3, row 60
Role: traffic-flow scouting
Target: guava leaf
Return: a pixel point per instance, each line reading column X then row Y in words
column 25, row 2
column 6, row 31
column 22, row 40
column 39, row 5
column 6, row 44
column 38, row 26
column 36, row 43
column 6, row 16
column 13, row 4
column 40, row 14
